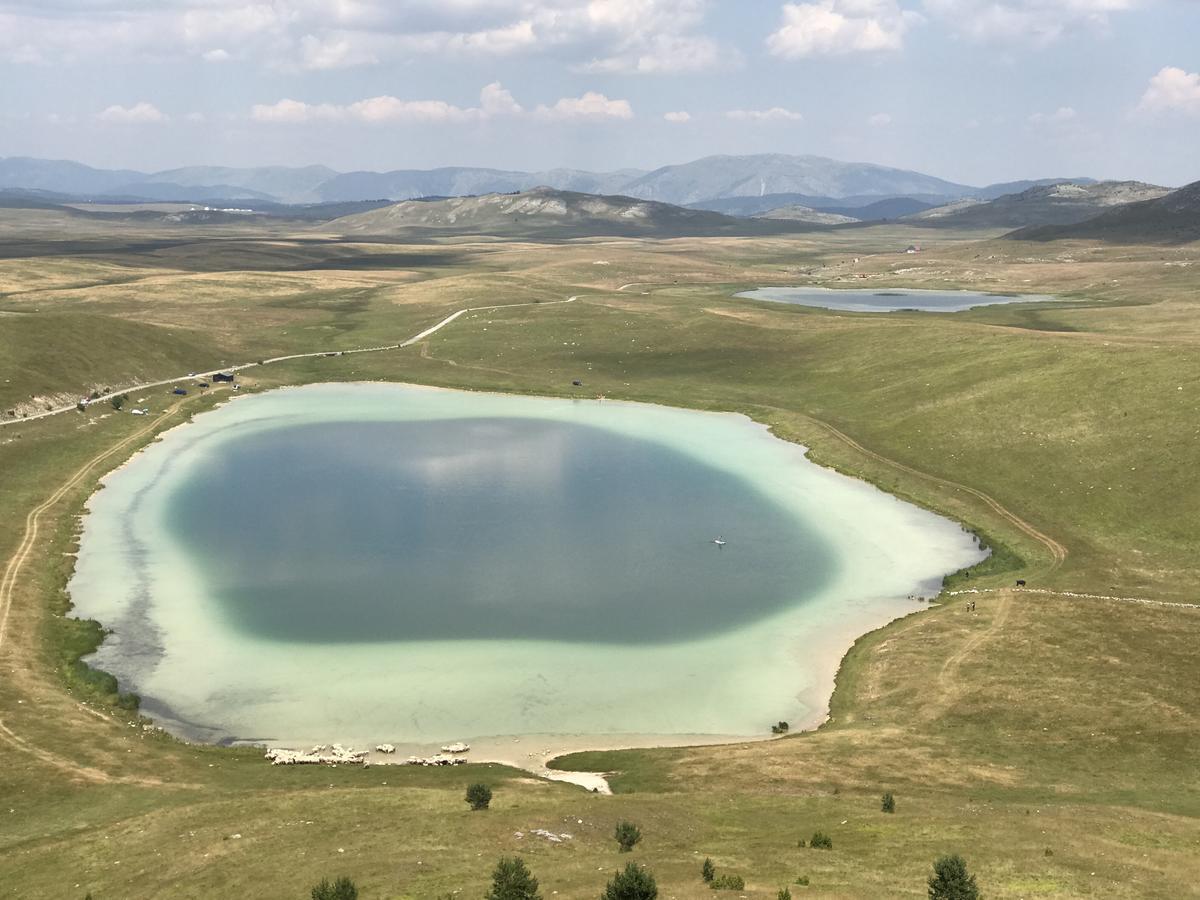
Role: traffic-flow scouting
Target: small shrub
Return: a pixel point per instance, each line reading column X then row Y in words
column 708, row 871
column 117, row 402
column 784, row 894
column 780, row 727
column 821, row 841
column 342, row 889
column 632, row 884
column 1049, row 852
column 951, row 881
column 627, row 834
column 800, row 843
column 728, row 883
column 512, row 880
column 479, row 796
column 802, row 881
column 889, row 803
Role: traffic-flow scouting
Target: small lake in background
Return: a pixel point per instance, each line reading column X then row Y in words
column 886, row 300
column 372, row 563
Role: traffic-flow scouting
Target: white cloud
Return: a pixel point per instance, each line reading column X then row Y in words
column 1061, row 116
column 336, row 52
column 494, row 101
column 667, row 54
column 391, row 109
column 679, row 117
column 139, row 114
column 1025, row 22
column 1172, row 90
column 638, row 36
column 774, row 114
column 290, row 111
column 879, row 120
column 591, row 105
column 835, row 27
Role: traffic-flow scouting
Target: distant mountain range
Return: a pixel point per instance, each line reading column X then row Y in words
column 792, row 179
column 1171, row 219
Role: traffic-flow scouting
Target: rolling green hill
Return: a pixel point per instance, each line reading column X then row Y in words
column 546, row 212
column 1171, row 219
column 1055, row 204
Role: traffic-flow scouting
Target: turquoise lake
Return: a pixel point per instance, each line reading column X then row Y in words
column 886, row 300
column 368, row 563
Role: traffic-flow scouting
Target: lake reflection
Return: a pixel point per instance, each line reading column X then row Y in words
column 486, row 528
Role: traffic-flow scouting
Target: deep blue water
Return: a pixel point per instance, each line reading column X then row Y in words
column 492, row 528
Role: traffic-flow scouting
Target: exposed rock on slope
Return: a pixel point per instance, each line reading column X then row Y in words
column 1171, row 219
column 544, row 211
column 1056, row 204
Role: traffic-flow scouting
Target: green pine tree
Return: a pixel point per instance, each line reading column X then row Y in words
column 951, row 881
column 512, row 880
column 627, row 834
column 632, row 884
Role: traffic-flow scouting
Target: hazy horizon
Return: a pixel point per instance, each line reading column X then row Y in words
column 971, row 91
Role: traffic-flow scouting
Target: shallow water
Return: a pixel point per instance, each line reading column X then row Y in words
column 889, row 300
column 365, row 563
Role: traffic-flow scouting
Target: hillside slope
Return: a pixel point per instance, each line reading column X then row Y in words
column 545, row 211
column 797, row 213
column 1056, row 204
column 1171, row 219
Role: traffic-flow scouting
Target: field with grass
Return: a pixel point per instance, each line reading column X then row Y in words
column 1051, row 739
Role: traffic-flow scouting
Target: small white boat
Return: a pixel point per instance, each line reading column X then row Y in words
column 717, row 540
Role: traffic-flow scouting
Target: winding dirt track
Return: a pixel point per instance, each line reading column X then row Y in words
column 29, row 541
column 8, row 587
column 25, row 548
column 1058, row 552
column 278, row 359
column 999, row 618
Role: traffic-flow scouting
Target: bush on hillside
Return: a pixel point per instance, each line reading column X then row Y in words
column 951, row 880
column 708, row 871
column 728, row 883
column 627, row 834
column 479, row 796
column 342, row 889
column 512, row 880
column 821, row 841
column 631, row 884
column 889, row 803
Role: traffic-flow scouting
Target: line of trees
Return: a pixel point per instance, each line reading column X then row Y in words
column 512, row 880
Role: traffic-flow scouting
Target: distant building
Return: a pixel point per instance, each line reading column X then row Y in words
column 226, row 377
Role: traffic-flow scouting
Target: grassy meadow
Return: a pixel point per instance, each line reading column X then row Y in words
column 1053, row 741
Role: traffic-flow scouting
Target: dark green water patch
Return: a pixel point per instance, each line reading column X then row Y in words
column 486, row 528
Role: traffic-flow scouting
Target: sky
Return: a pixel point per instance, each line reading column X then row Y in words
column 975, row 91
